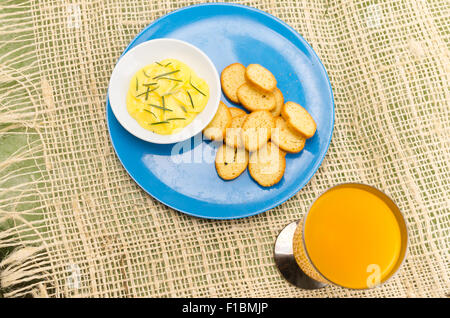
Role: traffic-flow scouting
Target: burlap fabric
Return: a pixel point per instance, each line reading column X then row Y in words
column 75, row 224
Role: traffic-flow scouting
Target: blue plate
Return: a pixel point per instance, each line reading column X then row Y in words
column 230, row 33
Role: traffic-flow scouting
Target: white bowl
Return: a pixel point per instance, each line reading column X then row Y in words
column 157, row 50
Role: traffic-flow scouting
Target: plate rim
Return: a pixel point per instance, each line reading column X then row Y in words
column 312, row 171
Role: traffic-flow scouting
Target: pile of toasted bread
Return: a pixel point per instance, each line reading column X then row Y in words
column 261, row 138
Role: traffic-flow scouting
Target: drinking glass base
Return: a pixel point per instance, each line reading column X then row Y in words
column 285, row 261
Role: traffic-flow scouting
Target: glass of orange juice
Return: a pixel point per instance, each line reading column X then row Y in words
column 353, row 236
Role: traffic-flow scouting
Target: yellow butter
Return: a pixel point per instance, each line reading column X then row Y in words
column 164, row 97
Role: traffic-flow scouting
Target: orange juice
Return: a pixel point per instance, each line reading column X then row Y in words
column 354, row 236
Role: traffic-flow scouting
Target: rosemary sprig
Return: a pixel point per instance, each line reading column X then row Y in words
column 190, row 98
column 163, row 65
column 190, row 82
column 170, row 79
column 147, row 92
column 145, row 73
column 163, row 101
column 160, row 122
column 149, row 111
column 164, row 74
column 137, row 84
column 174, row 86
column 177, row 118
column 183, row 108
column 159, row 107
column 149, row 84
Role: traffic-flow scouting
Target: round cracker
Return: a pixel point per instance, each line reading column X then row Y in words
column 267, row 165
column 299, row 119
column 287, row 139
column 221, row 121
column 231, row 162
column 233, row 134
column 231, row 78
column 236, row 111
column 260, row 77
column 254, row 100
column 256, row 129
column 279, row 102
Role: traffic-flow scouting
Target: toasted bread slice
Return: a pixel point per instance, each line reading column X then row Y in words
column 221, row 121
column 233, row 134
column 231, row 162
column 256, row 129
column 287, row 139
column 299, row 119
column 253, row 100
column 260, row 77
column 267, row 165
column 236, row 111
column 279, row 102
column 231, row 78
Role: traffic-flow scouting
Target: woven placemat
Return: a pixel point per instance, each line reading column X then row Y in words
column 72, row 221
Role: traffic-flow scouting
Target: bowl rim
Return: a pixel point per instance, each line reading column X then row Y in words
column 195, row 128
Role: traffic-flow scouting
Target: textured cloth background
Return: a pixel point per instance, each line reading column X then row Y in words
column 72, row 221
